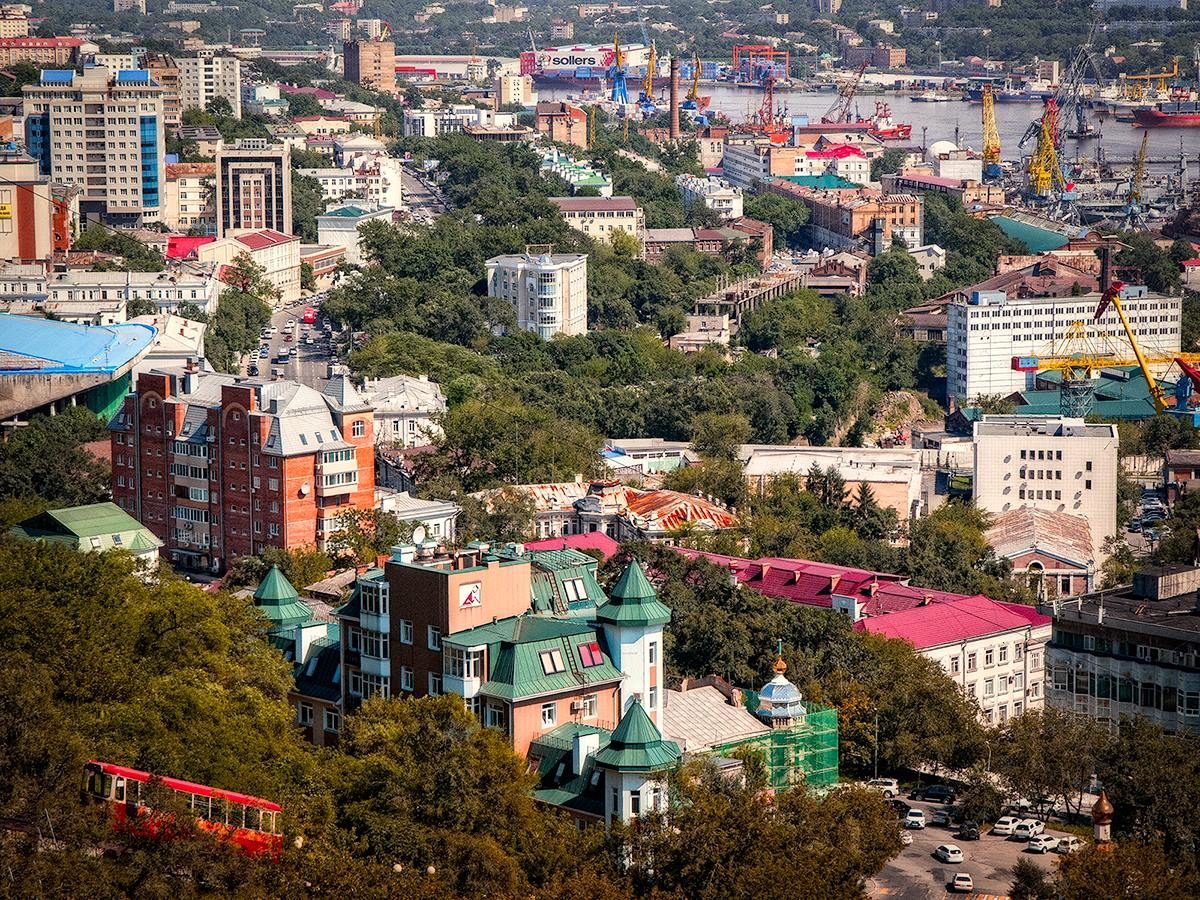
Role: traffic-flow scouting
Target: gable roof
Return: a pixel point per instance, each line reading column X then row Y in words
column 950, row 621
column 1056, row 534
column 103, row 523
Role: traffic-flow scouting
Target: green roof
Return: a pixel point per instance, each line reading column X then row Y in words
column 637, row 745
column 347, row 212
column 280, row 602
column 96, row 526
column 633, row 600
column 824, row 182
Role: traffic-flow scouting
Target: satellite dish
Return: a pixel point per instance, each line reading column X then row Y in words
column 419, row 534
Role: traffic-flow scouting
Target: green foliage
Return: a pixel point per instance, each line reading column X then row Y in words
column 787, row 323
column 308, row 202
column 137, row 256
column 44, row 463
column 1127, row 870
column 14, row 78
column 140, row 306
column 301, row 566
column 506, row 515
column 981, row 801
column 364, row 535
column 1031, row 882
column 244, row 308
column 887, row 162
column 1158, row 270
column 786, row 217
column 308, row 281
column 720, row 435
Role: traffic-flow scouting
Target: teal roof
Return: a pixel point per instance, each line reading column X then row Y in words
column 633, row 600
column 637, row 745
column 558, row 785
column 95, row 526
column 280, row 602
column 823, row 182
column 1038, row 240
column 346, row 212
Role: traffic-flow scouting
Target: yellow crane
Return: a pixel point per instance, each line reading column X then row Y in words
column 1134, row 217
column 1133, row 87
column 1045, row 174
column 694, row 90
column 651, row 65
column 991, row 135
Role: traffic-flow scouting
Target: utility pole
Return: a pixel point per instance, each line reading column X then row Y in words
column 876, row 745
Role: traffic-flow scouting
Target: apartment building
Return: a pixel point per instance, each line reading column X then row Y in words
column 207, row 77
column 102, row 131
column 853, row 218
column 26, row 227
column 14, row 20
column 191, row 203
column 514, row 88
column 163, row 69
column 602, row 217
column 406, row 409
column 277, row 253
column 38, row 51
column 369, row 177
column 716, row 193
column 1051, row 463
column 842, row 160
column 1130, row 651
column 254, row 187
column 371, row 64
column 987, row 330
column 169, row 290
column 453, row 119
column 548, row 291
column 219, row 466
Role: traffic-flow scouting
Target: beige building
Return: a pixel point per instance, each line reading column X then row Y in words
column 206, row 77
column 26, row 232
column 103, row 131
column 1052, row 463
column 277, row 253
column 371, row 64
column 514, row 88
column 163, row 69
column 254, row 188
column 14, row 20
column 601, row 217
column 548, row 291
column 191, row 197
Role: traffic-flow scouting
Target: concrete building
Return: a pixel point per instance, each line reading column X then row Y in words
column 715, row 193
column 169, row 290
column 1051, row 463
column 562, row 123
column 373, row 179
column 207, row 77
column 26, row 227
column 371, row 64
column 220, row 467
column 406, row 409
column 191, row 203
column 930, row 258
column 14, row 20
column 1130, row 651
column 921, row 180
column 841, row 160
column 516, row 89
column 94, row 528
column 165, row 71
column 988, row 329
column 55, row 51
column 854, row 218
column 138, row 6
column 579, row 175
column 254, row 188
column 339, row 227
column 453, row 119
column 178, row 342
column 1051, row 551
column 548, row 291
column 115, row 152
column 277, row 253
column 602, row 217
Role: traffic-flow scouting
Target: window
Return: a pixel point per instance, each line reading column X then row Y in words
column 333, row 720
column 590, row 655
column 652, row 653
column 375, row 645
column 549, row 714
column 359, row 428
column 575, row 589
column 635, row 803
column 434, row 637
column 989, row 657
column 552, row 662
column 989, row 687
column 1019, row 682
column 406, row 678
column 461, row 663
column 1003, row 651
column 435, row 684
column 494, row 716
column 954, row 666
column 304, row 713
column 356, row 683
column 652, row 703
column 406, row 631
column 971, row 662
column 587, row 708
column 615, row 801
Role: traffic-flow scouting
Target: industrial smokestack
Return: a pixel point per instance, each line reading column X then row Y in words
column 674, row 97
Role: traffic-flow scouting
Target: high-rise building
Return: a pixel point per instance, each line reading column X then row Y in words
column 26, row 232
column 254, row 188
column 219, row 466
column 126, row 5
column 548, row 291
column 102, row 131
column 163, row 69
column 207, row 77
column 371, row 64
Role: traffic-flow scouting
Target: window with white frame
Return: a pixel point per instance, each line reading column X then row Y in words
column 652, row 653
column 552, row 662
column 434, row 637
column 375, row 645
column 652, row 701
column 333, row 720
column 435, row 684
column 355, row 682
column 406, row 678
column 588, row 706
column 575, row 590
column 304, row 713
column 375, row 686
column 549, row 714
column 494, row 716
column 460, row 663
column 406, row 631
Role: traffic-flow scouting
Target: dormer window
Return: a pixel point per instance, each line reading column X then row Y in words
column 552, row 662
column 590, row 655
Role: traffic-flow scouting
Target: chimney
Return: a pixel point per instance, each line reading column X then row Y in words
column 403, row 553
column 674, row 97
column 583, row 746
column 1105, row 267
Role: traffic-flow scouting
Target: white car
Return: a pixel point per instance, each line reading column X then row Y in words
column 949, row 853
column 914, row 818
column 905, row 838
column 889, row 787
column 962, row 883
column 1027, row 828
column 1069, row 844
column 1043, row 843
column 1005, row 825
column 291, row 323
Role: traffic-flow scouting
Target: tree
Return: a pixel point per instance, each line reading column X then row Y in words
column 1031, row 882
column 981, row 801
column 363, row 535
column 1129, row 871
column 308, row 202
column 244, row 309
column 140, row 306
column 887, row 162
column 719, row 435
column 136, row 256
column 303, row 105
column 503, row 516
column 45, row 462
column 307, row 280
column 219, row 106
column 786, row 217
column 301, row 566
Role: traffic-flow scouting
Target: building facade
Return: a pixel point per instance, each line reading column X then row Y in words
column 102, row 131
column 55, row 51
column 191, row 197
column 371, row 64
column 601, row 217
column 406, row 409
column 548, row 291
column 26, row 226
column 717, row 194
column 169, row 290
column 163, row 69
column 220, row 467
column 339, row 227
column 207, row 77
column 254, row 188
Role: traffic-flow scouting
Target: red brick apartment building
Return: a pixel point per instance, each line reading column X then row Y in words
column 219, row 466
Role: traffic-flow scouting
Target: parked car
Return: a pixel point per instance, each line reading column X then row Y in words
column 941, row 817
column 935, row 793
column 1027, row 828
column 1135, row 525
column 1042, row 843
column 906, row 838
column 1070, row 844
column 291, row 323
column 962, row 883
column 294, row 352
column 914, row 818
column 949, row 853
column 889, row 787
column 252, row 371
column 900, row 807
column 968, row 831
column 1004, row 825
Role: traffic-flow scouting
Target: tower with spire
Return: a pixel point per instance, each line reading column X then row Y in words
column 635, row 763
column 1102, row 816
column 780, row 703
column 633, row 620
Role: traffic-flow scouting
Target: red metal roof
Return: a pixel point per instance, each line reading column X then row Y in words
column 190, row 787
column 260, row 240
column 947, row 621
column 37, row 42
column 592, row 540
column 181, row 246
column 836, row 151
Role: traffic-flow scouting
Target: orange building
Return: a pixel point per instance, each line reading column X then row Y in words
column 562, row 123
column 371, row 64
column 219, row 466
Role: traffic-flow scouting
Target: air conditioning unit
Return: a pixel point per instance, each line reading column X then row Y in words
column 576, row 706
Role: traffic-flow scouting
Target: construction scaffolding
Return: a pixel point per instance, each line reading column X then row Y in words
column 805, row 753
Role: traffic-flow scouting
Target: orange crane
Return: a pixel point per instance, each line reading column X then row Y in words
column 991, row 135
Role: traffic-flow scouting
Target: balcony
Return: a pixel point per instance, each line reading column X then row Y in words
column 371, row 665
column 377, row 622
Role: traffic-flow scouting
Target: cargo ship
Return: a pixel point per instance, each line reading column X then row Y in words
column 1171, row 114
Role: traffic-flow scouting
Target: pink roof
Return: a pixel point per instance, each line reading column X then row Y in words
column 592, row 540
column 933, row 180
column 1191, row 262
column 836, row 151
column 949, row 621
column 260, row 240
column 318, row 93
column 180, row 246
column 26, row 42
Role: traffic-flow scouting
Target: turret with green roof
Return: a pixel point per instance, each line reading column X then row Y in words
column 280, row 603
column 633, row 601
column 637, row 745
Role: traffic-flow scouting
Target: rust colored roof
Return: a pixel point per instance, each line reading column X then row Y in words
column 1058, row 534
column 174, row 170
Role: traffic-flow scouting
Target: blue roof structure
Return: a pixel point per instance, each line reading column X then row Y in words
column 138, row 76
column 30, row 345
column 58, row 76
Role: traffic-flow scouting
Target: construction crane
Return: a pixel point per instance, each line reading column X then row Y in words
column 1135, row 216
column 840, row 110
column 620, row 92
column 991, row 136
column 693, row 95
column 647, row 98
column 1133, row 87
column 1045, row 174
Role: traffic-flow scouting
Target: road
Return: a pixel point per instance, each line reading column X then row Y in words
column 310, row 364
column 425, row 201
column 916, row 875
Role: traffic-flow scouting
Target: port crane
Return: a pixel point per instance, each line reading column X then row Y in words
column 620, row 92
column 991, row 136
column 1134, row 87
column 693, row 95
column 840, row 110
column 1045, row 172
column 1135, row 215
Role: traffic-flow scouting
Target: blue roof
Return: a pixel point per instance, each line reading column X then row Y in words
column 58, row 76
column 67, row 348
column 138, row 75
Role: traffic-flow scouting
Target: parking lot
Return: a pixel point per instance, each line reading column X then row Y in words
column 916, row 874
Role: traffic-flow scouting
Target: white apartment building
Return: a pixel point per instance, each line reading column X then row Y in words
column 452, row 119
column 745, row 162
column 374, row 178
column 191, row 197
column 339, row 227
column 169, row 290
column 1052, row 463
column 841, row 160
column 547, row 291
column 602, row 217
column 277, row 253
column 715, row 193
column 204, row 78
column 406, row 409
column 985, row 334
column 102, row 131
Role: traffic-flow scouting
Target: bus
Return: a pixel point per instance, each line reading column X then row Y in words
column 250, row 823
column 309, row 317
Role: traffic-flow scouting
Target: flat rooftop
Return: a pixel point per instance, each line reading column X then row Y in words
column 1042, row 426
column 1162, row 600
column 30, row 345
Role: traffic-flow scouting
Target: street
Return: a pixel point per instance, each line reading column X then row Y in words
column 916, row 875
column 310, row 364
column 422, row 201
